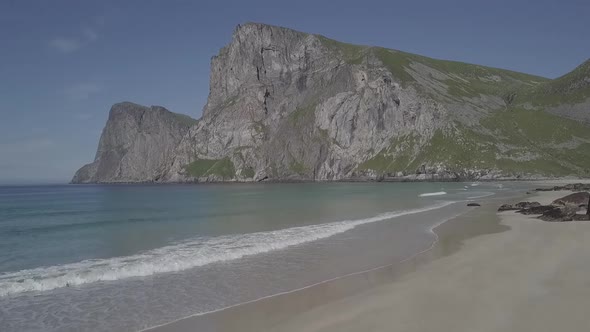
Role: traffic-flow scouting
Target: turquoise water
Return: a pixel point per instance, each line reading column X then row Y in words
column 152, row 254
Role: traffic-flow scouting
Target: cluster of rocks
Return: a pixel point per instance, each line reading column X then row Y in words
column 571, row 186
column 567, row 208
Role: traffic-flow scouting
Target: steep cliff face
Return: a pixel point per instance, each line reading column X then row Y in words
column 287, row 105
column 135, row 144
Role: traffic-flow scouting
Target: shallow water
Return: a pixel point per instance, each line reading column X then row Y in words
column 128, row 257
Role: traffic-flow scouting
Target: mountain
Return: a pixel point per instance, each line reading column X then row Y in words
column 286, row 105
column 135, row 145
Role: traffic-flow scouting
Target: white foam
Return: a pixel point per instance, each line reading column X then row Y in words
column 438, row 193
column 485, row 194
column 181, row 256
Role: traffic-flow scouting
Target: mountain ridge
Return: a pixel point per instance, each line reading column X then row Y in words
column 286, row 105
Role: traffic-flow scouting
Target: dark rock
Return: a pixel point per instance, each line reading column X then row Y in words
column 557, row 213
column 526, row 205
column 581, row 217
column 547, row 189
column 572, row 187
column 577, row 199
column 507, row 207
column 473, row 204
column 578, row 187
column 536, row 209
column 518, row 206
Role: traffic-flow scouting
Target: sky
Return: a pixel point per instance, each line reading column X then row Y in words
column 64, row 63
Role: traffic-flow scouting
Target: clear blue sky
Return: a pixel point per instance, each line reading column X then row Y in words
column 64, row 63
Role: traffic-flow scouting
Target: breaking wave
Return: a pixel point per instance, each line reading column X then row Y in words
column 185, row 255
column 438, row 193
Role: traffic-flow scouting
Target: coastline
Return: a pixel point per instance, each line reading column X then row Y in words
column 473, row 270
column 533, row 179
column 530, row 278
column 273, row 311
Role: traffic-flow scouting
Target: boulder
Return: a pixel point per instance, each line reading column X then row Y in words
column 536, row 209
column 578, row 198
column 577, row 187
column 507, row 207
column 581, row 217
column 526, row 205
column 572, row 187
column 473, row 204
column 518, row 206
column 557, row 213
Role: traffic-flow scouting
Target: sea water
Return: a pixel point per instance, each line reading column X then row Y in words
column 127, row 257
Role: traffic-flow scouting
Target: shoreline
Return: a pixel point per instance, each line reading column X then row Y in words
column 540, row 181
column 530, row 278
column 449, row 236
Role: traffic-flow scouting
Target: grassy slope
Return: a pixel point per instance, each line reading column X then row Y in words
column 223, row 168
column 570, row 88
column 185, row 119
column 462, row 79
column 514, row 140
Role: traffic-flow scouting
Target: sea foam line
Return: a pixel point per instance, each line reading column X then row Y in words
column 487, row 194
column 181, row 256
column 380, row 267
column 438, row 193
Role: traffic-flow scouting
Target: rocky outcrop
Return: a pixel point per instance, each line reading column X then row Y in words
column 577, row 199
column 571, row 186
column 559, row 213
column 285, row 105
column 288, row 105
column 518, row 206
column 566, row 208
column 135, row 145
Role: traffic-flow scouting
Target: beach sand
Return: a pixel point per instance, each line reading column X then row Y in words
column 500, row 272
column 535, row 277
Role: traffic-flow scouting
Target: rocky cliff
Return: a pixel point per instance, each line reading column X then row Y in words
column 287, row 105
column 135, row 145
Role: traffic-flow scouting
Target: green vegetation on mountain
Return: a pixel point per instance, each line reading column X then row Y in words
column 571, row 88
column 185, row 119
column 351, row 53
column 517, row 141
column 223, row 168
column 287, row 105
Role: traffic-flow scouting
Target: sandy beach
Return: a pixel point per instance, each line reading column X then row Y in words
column 531, row 278
column 501, row 272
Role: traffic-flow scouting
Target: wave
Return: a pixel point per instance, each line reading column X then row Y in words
column 438, row 193
column 185, row 255
column 483, row 194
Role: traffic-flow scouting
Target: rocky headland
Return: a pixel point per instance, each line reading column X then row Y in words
column 285, row 105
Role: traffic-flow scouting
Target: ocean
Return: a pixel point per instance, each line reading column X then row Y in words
column 128, row 257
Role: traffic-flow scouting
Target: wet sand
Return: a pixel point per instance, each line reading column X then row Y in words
column 531, row 278
column 488, row 271
column 273, row 312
